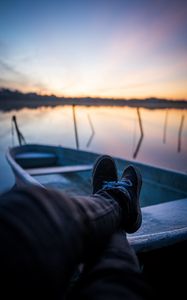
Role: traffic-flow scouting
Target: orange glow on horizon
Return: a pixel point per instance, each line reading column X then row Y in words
column 175, row 92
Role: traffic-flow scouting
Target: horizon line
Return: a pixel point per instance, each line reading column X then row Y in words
column 88, row 97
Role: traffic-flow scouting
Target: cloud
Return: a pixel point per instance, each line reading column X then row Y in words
column 13, row 78
column 7, row 69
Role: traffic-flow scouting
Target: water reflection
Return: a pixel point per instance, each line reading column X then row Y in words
column 109, row 130
column 179, row 134
column 75, row 127
column 76, row 130
column 92, row 131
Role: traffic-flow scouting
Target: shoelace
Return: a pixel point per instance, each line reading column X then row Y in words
column 124, row 183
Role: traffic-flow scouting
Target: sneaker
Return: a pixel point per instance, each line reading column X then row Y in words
column 104, row 170
column 131, row 180
column 126, row 192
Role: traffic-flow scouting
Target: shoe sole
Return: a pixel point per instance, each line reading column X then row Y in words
column 138, row 222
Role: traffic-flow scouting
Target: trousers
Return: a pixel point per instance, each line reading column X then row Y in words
column 45, row 235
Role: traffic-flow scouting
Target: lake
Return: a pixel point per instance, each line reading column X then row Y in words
column 152, row 136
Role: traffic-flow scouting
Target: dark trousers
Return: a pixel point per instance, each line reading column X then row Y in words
column 45, row 235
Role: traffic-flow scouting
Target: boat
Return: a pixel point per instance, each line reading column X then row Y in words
column 163, row 233
column 164, row 192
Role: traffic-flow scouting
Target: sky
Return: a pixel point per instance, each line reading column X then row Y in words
column 97, row 48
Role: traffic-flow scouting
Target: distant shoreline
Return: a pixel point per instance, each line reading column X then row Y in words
column 10, row 100
column 8, row 105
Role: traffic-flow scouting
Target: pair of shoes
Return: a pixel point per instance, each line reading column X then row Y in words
column 105, row 178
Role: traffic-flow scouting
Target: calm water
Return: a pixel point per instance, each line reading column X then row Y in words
column 111, row 130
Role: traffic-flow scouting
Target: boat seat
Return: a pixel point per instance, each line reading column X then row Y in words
column 60, row 169
column 36, row 159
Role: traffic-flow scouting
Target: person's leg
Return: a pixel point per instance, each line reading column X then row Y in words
column 44, row 234
column 114, row 274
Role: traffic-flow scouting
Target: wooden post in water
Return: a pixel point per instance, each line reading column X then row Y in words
column 165, row 126
column 180, row 133
column 75, row 127
column 18, row 132
column 141, row 134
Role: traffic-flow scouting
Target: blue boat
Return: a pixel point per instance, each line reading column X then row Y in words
column 163, row 197
column 70, row 170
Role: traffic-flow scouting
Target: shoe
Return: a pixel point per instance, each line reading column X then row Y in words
column 131, row 180
column 104, row 170
column 126, row 192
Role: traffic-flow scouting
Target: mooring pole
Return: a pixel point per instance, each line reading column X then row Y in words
column 180, row 133
column 75, row 127
column 165, row 126
column 141, row 134
column 19, row 134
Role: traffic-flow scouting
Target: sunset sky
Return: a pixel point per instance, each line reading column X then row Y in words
column 105, row 48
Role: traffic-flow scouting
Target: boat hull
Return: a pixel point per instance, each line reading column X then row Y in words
column 163, row 196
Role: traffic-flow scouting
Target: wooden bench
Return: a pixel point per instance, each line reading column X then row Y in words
column 59, row 170
column 36, row 159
